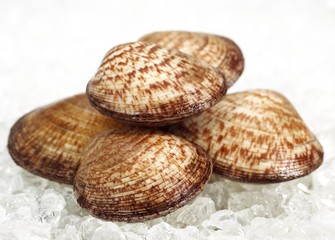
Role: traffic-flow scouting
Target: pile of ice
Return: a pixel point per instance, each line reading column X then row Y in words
column 49, row 50
column 299, row 209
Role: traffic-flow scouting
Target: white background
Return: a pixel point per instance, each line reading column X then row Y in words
column 50, row 49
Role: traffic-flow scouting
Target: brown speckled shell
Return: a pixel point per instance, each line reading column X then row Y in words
column 149, row 85
column 217, row 51
column 255, row 136
column 49, row 141
column 139, row 175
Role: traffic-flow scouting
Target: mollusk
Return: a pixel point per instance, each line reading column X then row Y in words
column 255, row 136
column 149, row 85
column 220, row 52
column 139, row 174
column 49, row 141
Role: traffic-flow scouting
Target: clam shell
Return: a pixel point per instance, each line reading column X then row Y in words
column 149, row 85
column 139, row 175
column 49, row 141
column 255, row 136
column 217, row 51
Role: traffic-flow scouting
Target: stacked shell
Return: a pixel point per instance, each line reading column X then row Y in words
column 149, row 85
column 139, row 174
column 49, row 141
column 255, row 136
column 126, row 173
column 220, row 52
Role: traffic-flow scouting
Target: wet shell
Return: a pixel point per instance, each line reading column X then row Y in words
column 217, row 51
column 139, row 175
column 149, row 85
column 49, row 141
column 255, row 136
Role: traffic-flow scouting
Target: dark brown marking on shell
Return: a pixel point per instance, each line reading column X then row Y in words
column 159, row 86
column 218, row 51
column 139, row 174
column 255, row 136
column 49, row 141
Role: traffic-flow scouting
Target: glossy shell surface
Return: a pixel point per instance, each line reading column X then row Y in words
column 255, row 136
column 139, row 174
column 49, row 141
column 145, row 84
column 220, row 52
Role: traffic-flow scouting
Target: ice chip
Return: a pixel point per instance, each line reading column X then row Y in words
column 108, row 231
column 192, row 214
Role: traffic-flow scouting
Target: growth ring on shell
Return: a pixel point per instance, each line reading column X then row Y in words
column 49, row 141
column 149, row 85
column 220, row 52
column 255, row 136
column 139, row 174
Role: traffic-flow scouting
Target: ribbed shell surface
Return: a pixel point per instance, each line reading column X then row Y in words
column 139, row 175
column 255, row 136
column 49, row 141
column 220, row 52
column 149, row 85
